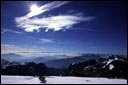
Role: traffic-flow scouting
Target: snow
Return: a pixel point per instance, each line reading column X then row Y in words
column 22, row 63
column 19, row 80
column 8, row 64
column 73, row 63
column 108, row 62
column 116, row 58
column 83, row 80
column 59, row 80
column 111, row 66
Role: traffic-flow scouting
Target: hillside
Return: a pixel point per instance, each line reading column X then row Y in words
column 111, row 67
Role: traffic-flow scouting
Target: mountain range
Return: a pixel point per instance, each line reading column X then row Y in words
column 111, row 67
column 64, row 63
column 12, row 57
column 57, row 61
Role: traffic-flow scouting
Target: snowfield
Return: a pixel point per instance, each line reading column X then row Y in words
column 59, row 80
column 19, row 80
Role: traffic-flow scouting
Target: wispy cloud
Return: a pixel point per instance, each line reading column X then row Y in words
column 56, row 23
column 41, row 9
column 27, row 37
column 86, row 29
column 6, row 45
column 6, row 48
column 46, row 7
column 15, row 49
column 50, row 41
column 29, row 52
column 12, row 31
column 2, row 32
column 43, row 40
column 16, row 32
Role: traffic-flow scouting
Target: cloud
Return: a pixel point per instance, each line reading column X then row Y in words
column 46, row 7
column 46, row 41
column 59, row 22
column 6, row 48
column 15, row 49
column 29, row 52
column 42, row 9
column 86, row 29
column 27, row 37
column 50, row 41
column 16, row 32
column 7, row 45
column 26, row 52
column 12, row 31
column 2, row 32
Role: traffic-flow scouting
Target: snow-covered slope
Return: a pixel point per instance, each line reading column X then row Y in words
column 59, row 80
column 19, row 80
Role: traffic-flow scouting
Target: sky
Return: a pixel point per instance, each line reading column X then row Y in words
column 63, row 27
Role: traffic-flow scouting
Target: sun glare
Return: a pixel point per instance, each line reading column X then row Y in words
column 34, row 7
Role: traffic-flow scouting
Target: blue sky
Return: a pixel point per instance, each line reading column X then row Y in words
column 69, row 27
